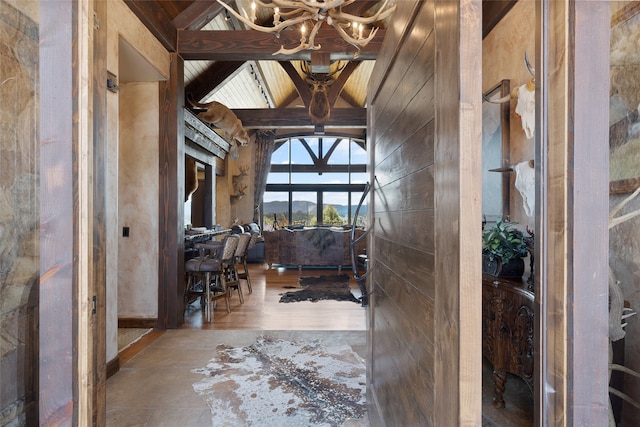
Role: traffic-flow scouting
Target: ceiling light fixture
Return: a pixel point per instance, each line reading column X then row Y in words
column 315, row 12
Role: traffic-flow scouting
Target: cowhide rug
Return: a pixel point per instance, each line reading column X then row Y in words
column 284, row 383
column 324, row 287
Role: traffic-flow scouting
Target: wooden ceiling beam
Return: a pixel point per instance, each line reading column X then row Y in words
column 198, row 14
column 335, row 89
column 492, row 12
column 282, row 118
column 246, row 45
column 156, row 21
column 301, row 86
column 360, row 7
column 215, row 75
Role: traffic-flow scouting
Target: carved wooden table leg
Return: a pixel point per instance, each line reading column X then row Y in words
column 499, row 381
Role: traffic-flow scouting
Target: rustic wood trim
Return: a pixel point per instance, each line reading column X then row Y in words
column 334, row 90
column 492, row 12
column 383, row 64
column 127, row 353
column 209, row 195
column 470, row 209
column 624, row 186
column 588, row 301
column 283, row 118
column 216, row 74
column 137, row 322
column 171, row 197
column 99, row 190
column 197, row 15
column 203, row 136
column 505, row 116
column 358, row 136
column 625, row 13
column 58, row 303
column 130, row 351
column 457, row 156
column 247, row 45
column 113, row 366
column 156, row 21
column 201, row 155
column 301, row 86
column 572, row 214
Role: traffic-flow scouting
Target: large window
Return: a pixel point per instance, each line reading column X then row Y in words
column 315, row 181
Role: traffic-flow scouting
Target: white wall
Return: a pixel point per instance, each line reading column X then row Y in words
column 138, row 200
column 122, row 23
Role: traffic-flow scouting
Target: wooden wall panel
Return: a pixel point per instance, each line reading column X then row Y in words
column 58, row 213
column 571, row 213
column 99, row 282
column 458, row 161
column 171, row 171
column 418, row 371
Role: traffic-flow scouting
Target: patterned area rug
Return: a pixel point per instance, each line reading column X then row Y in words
column 324, row 287
column 285, row 383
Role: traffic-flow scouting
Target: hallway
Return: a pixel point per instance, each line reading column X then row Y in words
column 153, row 387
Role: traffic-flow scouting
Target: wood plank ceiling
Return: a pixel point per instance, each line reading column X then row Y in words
column 228, row 63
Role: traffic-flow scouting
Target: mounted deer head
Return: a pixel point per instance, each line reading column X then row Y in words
column 319, row 106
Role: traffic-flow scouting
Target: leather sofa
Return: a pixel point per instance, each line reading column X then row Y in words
column 314, row 246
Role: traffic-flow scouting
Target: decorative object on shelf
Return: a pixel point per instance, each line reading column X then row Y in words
column 314, row 13
column 503, row 250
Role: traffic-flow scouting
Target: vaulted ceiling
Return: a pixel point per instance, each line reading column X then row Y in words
column 236, row 66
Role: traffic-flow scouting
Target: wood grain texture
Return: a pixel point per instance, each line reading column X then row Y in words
column 589, row 216
column 571, row 228
column 251, row 45
column 58, row 213
column 425, row 118
column 99, row 283
column 171, row 198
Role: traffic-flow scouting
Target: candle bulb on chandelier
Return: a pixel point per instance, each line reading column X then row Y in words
column 360, row 31
column 354, row 29
column 276, row 16
column 303, row 32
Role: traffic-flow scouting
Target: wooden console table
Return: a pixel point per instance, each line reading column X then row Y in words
column 507, row 331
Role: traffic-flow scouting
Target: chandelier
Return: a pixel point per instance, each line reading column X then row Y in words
column 288, row 13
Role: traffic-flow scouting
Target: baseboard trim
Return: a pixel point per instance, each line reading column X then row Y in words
column 137, row 322
column 113, row 366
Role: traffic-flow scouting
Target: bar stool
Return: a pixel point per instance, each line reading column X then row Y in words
column 233, row 280
column 244, row 275
column 211, row 269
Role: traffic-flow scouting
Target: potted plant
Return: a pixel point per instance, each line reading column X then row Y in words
column 503, row 250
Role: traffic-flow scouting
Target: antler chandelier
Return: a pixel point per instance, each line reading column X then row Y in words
column 287, row 13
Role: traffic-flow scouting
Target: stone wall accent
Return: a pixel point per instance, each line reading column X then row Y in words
column 19, row 217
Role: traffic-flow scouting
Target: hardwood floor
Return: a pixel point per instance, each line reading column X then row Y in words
column 263, row 311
